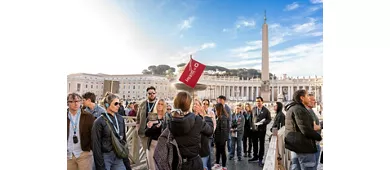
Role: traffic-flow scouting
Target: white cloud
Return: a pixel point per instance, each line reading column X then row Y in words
column 306, row 27
column 184, row 54
column 316, row 1
column 314, row 8
column 316, row 34
column 251, row 46
column 245, row 23
column 186, row 24
column 292, row 6
column 225, row 30
column 299, row 60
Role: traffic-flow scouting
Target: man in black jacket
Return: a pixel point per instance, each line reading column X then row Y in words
column 261, row 118
column 300, row 134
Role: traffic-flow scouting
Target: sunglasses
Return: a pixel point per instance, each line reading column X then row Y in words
column 151, row 93
column 205, row 104
column 116, row 103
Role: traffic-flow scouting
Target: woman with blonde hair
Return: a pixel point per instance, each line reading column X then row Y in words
column 154, row 126
column 247, row 139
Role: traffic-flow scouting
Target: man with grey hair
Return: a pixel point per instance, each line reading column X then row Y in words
column 316, row 124
column 79, row 127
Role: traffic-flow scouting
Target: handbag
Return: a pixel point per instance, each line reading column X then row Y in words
column 121, row 148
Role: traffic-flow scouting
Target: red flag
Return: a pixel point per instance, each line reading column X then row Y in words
column 192, row 73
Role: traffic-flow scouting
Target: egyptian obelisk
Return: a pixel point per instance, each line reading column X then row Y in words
column 265, row 92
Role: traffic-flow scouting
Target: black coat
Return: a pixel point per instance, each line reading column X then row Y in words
column 279, row 120
column 248, row 121
column 205, row 144
column 101, row 137
column 300, row 136
column 187, row 133
column 221, row 133
column 260, row 114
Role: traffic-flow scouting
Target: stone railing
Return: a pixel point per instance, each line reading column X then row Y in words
column 277, row 156
column 137, row 153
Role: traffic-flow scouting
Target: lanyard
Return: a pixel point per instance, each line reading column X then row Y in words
column 117, row 126
column 150, row 108
column 74, row 124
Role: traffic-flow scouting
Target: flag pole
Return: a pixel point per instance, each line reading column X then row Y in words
column 193, row 89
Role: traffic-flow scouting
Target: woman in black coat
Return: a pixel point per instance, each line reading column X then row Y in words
column 187, row 129
column 279, row 119
column 221, row 135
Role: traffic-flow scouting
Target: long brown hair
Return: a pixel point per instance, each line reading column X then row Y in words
column 250, row 108
column 220, row 109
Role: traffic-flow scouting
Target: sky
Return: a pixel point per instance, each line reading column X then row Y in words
column 225, row 33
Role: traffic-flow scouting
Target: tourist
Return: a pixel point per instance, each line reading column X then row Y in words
column 121, row 110
column 261, row 118
column 221, row 136
column 154, row 127
column 145, row 108
column 110, row 123
column 247, row 138
column 237, row 131
column 79, row 127
column 207, row 107
column 89, row 99
column 279, row 119
column 222, row 99
column 316, row 125
column 300, row 135
column 204, row 152
column 187, row 128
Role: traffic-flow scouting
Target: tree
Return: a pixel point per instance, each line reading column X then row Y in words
column 152, row 69
column 146, row 71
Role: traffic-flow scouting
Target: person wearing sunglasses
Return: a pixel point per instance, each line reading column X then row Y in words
column 79, row 125
column 145, row 108
column 103, row 150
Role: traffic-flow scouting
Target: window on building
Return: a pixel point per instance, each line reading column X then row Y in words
column 91, row 86
column 128, row 91
column 133, row 87
column 78, row 87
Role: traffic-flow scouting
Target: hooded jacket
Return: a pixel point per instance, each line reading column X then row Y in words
column 300, row 136
column 187, row 132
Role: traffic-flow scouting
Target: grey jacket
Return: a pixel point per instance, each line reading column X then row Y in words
column 240, row 123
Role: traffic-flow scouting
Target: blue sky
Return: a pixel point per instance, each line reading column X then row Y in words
column 228, row 33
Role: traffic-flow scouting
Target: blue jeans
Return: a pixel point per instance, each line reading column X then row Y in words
column 112, row 162
column 204, row 161
column 236, row 141
column 318, row 154
column 210, row 160
column 303, row 161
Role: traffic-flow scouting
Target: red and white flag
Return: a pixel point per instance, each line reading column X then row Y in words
column 192, row 73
